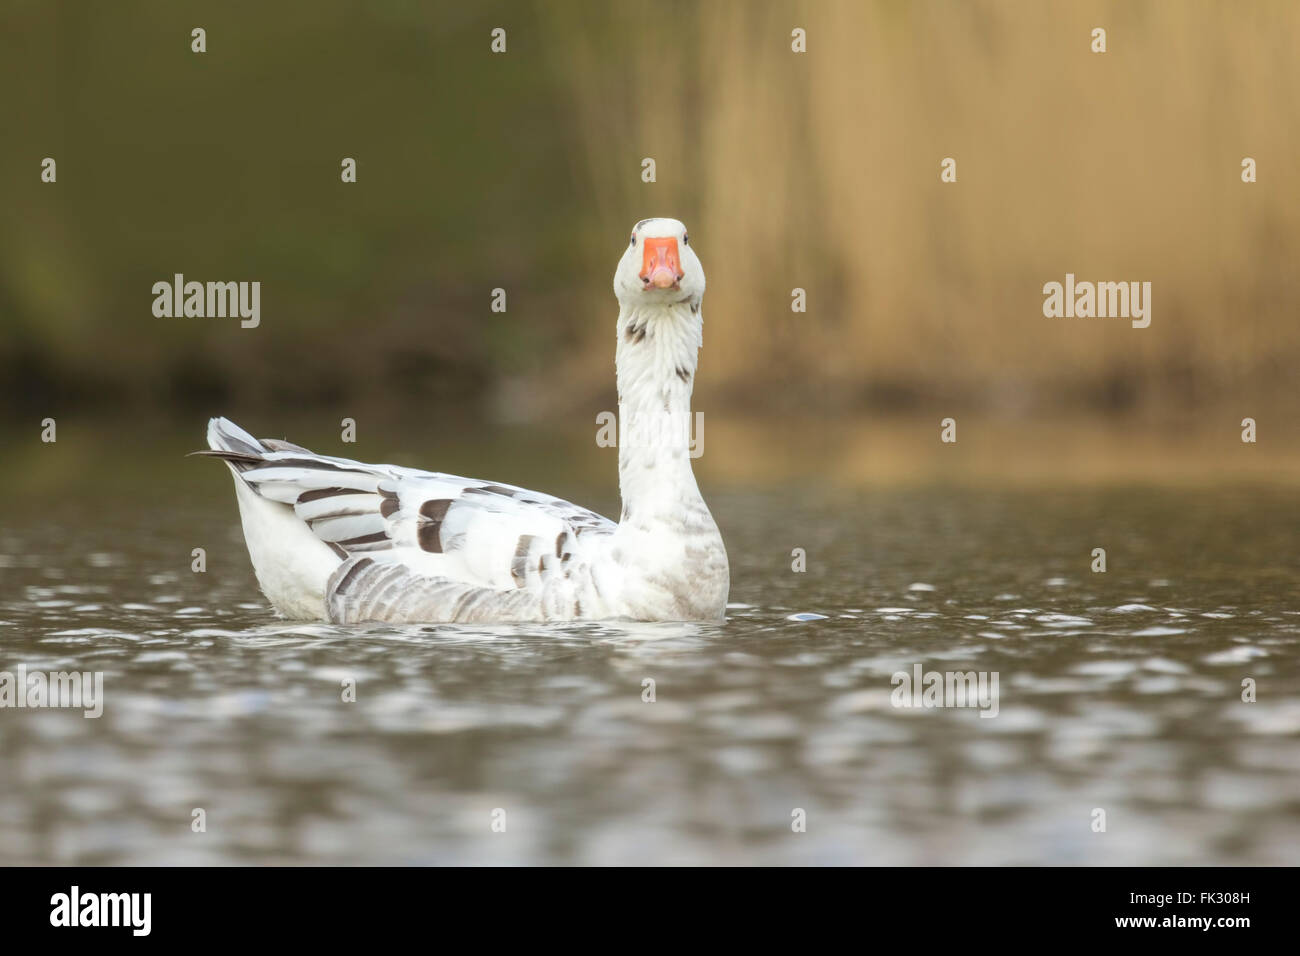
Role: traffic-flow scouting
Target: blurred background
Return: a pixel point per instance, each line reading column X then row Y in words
column 522, row 171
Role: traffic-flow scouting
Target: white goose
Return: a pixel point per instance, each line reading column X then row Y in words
column 336, row 540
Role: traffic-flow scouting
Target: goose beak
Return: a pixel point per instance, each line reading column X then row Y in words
column 660, row 268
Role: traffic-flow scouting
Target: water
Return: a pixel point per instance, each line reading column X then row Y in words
column 1119, row 691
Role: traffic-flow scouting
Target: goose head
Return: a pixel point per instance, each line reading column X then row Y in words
column 659, row 267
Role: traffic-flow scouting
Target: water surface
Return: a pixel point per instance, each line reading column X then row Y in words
column 1119, row 691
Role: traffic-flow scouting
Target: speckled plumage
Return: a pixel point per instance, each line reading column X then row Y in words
column 338, row 540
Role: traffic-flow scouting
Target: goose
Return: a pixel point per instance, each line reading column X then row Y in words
column 331, row 539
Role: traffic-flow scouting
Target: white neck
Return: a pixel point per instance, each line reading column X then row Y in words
column 656, row 356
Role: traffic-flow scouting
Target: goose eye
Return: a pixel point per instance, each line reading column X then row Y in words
column 686, row 240
column 633, row 242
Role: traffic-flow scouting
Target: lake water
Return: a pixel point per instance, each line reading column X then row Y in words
column 1119, row 691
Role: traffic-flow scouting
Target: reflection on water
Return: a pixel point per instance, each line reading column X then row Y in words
column 1119, row 691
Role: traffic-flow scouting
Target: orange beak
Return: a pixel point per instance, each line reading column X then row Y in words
column 659, row 265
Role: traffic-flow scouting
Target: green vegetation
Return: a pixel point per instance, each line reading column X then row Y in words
column 521, row 171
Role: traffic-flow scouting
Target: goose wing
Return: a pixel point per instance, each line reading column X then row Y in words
column 442, row 533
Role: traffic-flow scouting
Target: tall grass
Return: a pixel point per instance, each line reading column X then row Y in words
column 521, row 171
column 821, row 171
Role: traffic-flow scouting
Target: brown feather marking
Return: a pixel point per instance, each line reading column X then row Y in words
column 518, row 565
column 430, row 533
column 492, row 490
column 388, row 507
column 279, row 444
column 430, row 539
column 435, row 509
column 365, row 539
column 312, row 463
column 234, row 457
column 316, row 494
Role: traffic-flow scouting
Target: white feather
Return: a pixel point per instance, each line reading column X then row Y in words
column 336, row 539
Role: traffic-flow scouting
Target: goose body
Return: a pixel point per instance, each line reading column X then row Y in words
column 339, row 540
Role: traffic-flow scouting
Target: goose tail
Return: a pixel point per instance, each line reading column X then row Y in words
column 232, row 444
column 291, row 563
